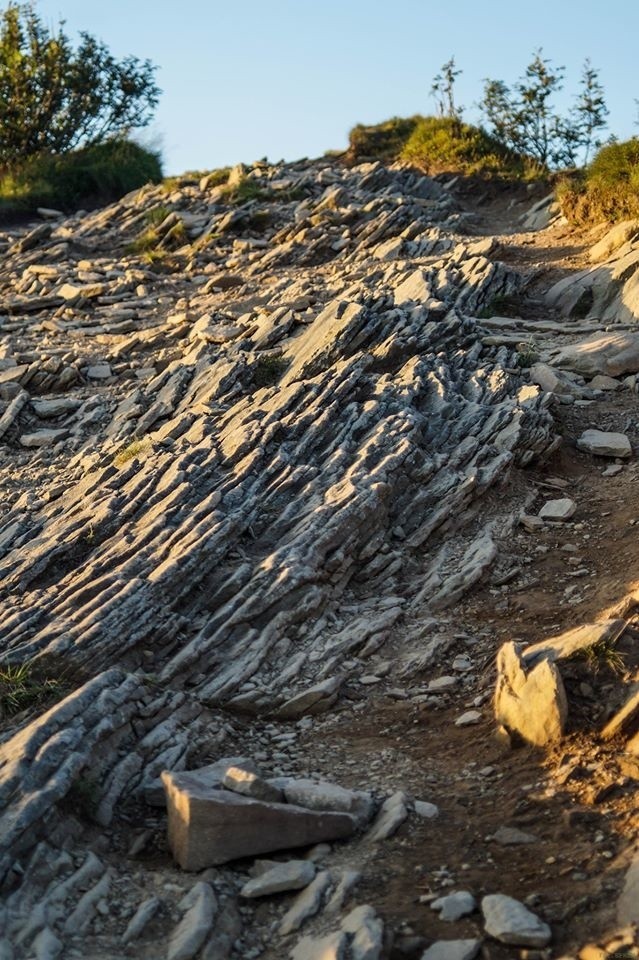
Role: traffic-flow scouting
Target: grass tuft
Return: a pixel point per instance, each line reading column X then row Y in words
column 21, row 687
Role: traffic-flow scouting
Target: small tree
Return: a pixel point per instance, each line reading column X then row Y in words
column 590, row 113
column 54, row 98
column 443, row 90
column 525, row 119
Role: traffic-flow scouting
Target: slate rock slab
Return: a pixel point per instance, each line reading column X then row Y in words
column 509, row 921
column 208, row 826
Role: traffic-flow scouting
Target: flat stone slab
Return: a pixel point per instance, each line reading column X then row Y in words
column 322, row 795
column 533, row 704
column 604, row 444
column 509, row 921
column 562, row 509
column 208, row 826
column 454, row 906
column 566, row 644
column 292, row 875
column 452, row 950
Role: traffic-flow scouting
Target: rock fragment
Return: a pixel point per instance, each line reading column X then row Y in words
column 533, row 704
column 510, row 922
column 292, row 875
column 603, row 444
column 454, row 906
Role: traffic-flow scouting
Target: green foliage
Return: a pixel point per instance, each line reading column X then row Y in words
column 83, row 797
column 439, row 144
column 608, row 189
column 91, row 175
column 245, row 191
column 443, row 90
column 524, row 118
column 268, row 370
column 381, row 141
column 21, row 687
column 527, row 354
column 54, row 99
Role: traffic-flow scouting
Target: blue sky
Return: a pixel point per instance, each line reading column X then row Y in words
column 288, row 78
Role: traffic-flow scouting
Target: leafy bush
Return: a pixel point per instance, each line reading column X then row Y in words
column 92, row 175
column 442, row 144
column 608, row 189
column 54, row 99
column 381, row 141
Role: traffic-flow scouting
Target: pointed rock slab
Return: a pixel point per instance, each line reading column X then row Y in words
column 534, row 705
column 612, row 354
column 390, row 818
column 190, row 934
column 509, row 921
column 306, row 904
column 317, row 699
column 454, row 906
column 626, row 720
column 367, row 932
column 292, row 875
column 322, row 795
column 209, row 826
column 566, row 644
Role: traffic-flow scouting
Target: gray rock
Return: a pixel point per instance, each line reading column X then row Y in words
column 46, row 945
column 367, row 933
column 331, row 947
column 248, row 784
column 209, row 827
column 454, row 906
column 452, row 950
column 189, row 936
column 42, row 438
column 616, row 237
column 468, row 719
column 534, row 705
column 99, row 371
column 227, row 930
column 307, row 904
column 322, row 795
column 142, row 916
column 604, row 444
column 612, row 354
column 292, row 875
column 347, row 883
column 392, row 814
column 317, row 699
column 562, row 509
column 511, row 836
column 628, row 903
column 566, row 644
column 509, row 921
column 426, row 810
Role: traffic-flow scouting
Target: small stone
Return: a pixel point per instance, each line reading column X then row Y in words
column 426, row 810
column 306, row 904
column 454, row 906
column 190, row 934
column 42, row 438
column 248, row 784
column 442, row 683
column 558, row 509
column 99, row 371
column 510, row 922
column 367, row 933
column 452, row 950
column 292, row 875
column 511, row 836
column 389, row 819
column 613, row 470
column 468, row 719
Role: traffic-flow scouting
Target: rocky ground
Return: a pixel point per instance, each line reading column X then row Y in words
column 284, row 463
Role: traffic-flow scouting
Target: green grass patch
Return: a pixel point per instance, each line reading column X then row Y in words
column 607, row 190
column 87, row 177
column 446, row 145
column 130, row 452
column 22, row 687
column 380, row 141
column 268, row 370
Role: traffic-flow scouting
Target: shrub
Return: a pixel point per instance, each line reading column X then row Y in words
column 54, row 99
column 445, row 144
column 381, row 141
column 85, row 177
column 608, row 189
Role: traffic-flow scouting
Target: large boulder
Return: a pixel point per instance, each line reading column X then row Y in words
column 209, row 826
column 615, row 238
column 612, row 354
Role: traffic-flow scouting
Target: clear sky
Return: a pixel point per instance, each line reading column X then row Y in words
column 288, row 78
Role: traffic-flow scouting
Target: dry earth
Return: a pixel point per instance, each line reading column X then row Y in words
column 295, row 449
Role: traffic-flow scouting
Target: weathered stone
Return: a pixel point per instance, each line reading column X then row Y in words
column 291, row 875
column 533, row 705
column 306, row 904
column 367, row 932
column 509, row 921
column 554, row 381
column 566, row 644
column 390, row 817
column 558, row 509
column 190, row 934
column 468, row 719
column 616, row 237
column 454, row 906
column 612, row 354
column 428, row 811
column 604, row 444
column 628, row 903
column 626, row 720
column 42, row 438
column 452, row 950
column 511, row 836
column 331, row 947
column 250, row 785
column 209, row 826
column 317, row 699
column 322, row 795
column 142, row 916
